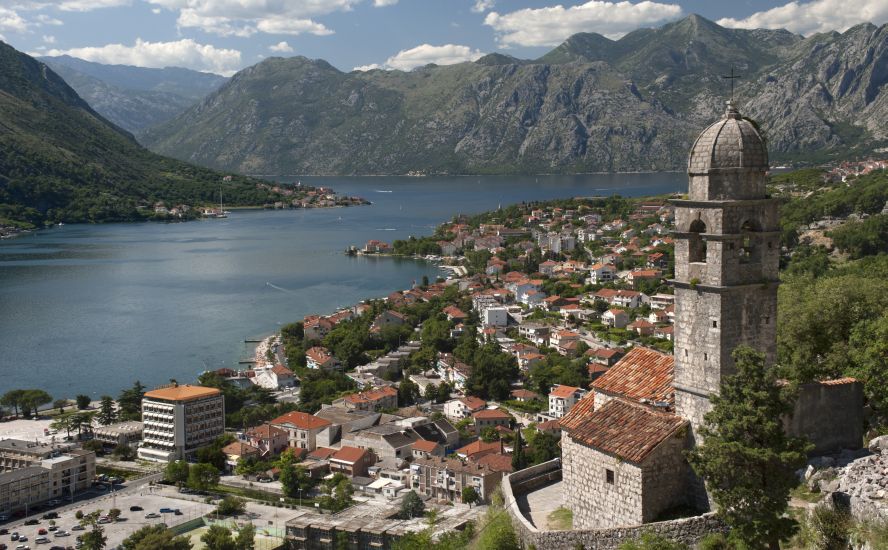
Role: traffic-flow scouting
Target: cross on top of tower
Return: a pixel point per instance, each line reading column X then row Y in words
column 731, row 78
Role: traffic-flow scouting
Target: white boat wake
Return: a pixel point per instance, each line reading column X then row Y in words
column 279, row 288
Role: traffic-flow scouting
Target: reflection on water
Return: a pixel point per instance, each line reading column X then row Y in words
column 90, row 309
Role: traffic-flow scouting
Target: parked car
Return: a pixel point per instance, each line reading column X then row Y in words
column 41, row 531
column 53, row 527
column 152, row 515
column 15, row 535
column 4, row 531
column 77, row 527
column 62, row 533
column 33, row 521
column 166, row 510
column 51, row 515
column 177, row 512
column 135, row 508
column 56, row 548
column 42, row 540
column 22, row 547
column 22, row 538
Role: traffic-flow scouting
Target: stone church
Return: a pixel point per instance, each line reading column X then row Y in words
column 623, row 445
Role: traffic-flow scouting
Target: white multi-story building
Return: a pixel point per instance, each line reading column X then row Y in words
column 495, row 317
column 178, row 420
column 562, row 399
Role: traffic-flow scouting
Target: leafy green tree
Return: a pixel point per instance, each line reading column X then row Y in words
column 202, row 476
column 411, row 506
column 82, row 422
column 60, row 404
column 545, row 447
column 93, row 538
column 176, row 472
column 83, row 401
column 431, row 392
column 107, row 414
column 519, row 459
column 868, row 345
column 114, row 514
column 246, row 536
column 13, row 398
column 32, row 400
column 746, row 459
column 231, row 506
column 489, row 434
column 218, row 537
column 63, row 422
column 470, row 496
column 155, row 537
column 124, row 452
column 212, row 453
column 444, row 389
column 408, row 392
column 435, row 334
column 129, row 403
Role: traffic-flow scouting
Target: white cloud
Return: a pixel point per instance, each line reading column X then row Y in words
column 424, row 54
column 281, row 47
column 551, row 25
column 365, row 68
column 89, row 5
column 43, row 19
column 182, row 53
column 247, row 17
column 384, row 3
column 49, row 39
column 12, row 21
column 483, row 5
column 817, row 16
column 156, row 11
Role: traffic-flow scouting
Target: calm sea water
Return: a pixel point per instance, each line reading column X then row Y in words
column 91, row 308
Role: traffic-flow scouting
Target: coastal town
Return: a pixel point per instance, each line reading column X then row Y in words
column 366, row 422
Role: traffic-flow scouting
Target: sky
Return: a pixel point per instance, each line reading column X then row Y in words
column 224, row 36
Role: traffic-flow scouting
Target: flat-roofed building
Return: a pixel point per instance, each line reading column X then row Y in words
column 36, row 472
column 178, row 420
column 23, row 487
column 17, row 453
column 70, row 472
column 122, row 433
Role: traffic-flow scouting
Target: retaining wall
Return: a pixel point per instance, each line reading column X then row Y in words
column 686, row 530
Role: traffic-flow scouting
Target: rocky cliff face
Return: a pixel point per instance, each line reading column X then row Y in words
column 592, row 104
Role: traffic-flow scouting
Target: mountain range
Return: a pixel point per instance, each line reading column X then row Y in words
column 591, row 104
column 62, row 161
column 134, row 98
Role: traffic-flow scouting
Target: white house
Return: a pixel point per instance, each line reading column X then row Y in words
column 615, row 318
column 463, row 407
column 495, row 317
column 562, row 398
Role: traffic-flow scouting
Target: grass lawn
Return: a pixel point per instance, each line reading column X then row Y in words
column 261, row 541
column 560, row 519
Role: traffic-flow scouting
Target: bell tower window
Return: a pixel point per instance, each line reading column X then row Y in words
column 696, row 243
column 748, row 250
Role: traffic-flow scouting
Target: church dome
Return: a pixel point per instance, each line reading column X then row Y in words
column 730, row 143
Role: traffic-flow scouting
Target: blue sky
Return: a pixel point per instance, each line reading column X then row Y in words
column 223, row 36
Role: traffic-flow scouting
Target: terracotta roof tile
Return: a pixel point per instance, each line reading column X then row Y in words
column 496, row 462
column 491, row 414
column 348, row 455
column 301, row 420
column 563, row 391
column 623, row 429
column 321, row 453
column 641, row 374
column 425, row 446
column 183, row 392
column 578, row 413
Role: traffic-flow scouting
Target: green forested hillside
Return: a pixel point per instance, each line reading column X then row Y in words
column 61, row 161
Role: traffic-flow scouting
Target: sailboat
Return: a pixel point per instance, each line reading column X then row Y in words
column 222, row 212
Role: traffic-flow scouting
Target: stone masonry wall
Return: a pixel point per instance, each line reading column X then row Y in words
column 687, row 530
column 594, row 501
column 829, row 415
column 664, row 478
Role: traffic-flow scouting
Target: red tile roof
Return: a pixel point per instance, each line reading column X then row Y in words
column 627, row 430
column 473, row 403
column 497, row 462
column 321, row 453
column 642, row 374
column 425, row 446
column 349, row 455
column 563, row 391
column 372, row 395
column 266, row 431
column 524, row 394
column 492, row 414
column 301, row 420
column 239, row 448
column 480, row 448
column 577, row 414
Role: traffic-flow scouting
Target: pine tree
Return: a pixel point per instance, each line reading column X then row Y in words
column 519, row 459
column 107, row 414
column 746, row 459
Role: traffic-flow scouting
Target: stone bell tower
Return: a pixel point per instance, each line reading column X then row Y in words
column 727, row 246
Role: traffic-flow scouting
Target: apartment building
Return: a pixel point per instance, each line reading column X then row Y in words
column 445, row 478
column 178, row 420
column 36, row 472
column 302, row 429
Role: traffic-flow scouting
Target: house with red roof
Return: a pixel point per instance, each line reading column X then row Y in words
column 641, row 327
column 319, row 357
column 615, row 318
column 424, row 449
column 491, row 418
column 301, row 428
column 377, row 399
column 270, row 440
column 562, row 398
column 455, row 314
column 463, row 407
column 351, row 461
column 388, row 318
column 237, row 450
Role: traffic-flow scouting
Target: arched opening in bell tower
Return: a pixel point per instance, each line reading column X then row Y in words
column 748, row 242
column 696, row 243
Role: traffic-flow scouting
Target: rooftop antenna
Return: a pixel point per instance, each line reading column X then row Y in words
column 732, row 77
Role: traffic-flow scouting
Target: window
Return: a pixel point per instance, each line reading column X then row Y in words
column 715, row 324
column 696, row 244
column 609, row 476
column 706, row 357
